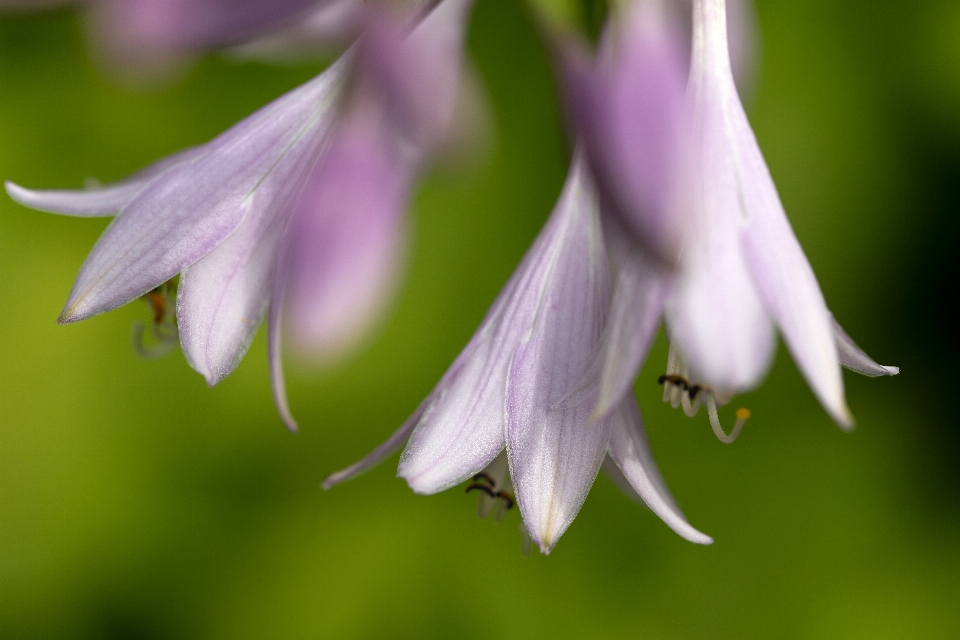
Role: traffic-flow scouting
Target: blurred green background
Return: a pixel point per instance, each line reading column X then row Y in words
column 135, row 503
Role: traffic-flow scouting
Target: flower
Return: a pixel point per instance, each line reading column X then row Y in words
column 742, row 271
column 310, row 189
column 154, row 35
column 518, row 386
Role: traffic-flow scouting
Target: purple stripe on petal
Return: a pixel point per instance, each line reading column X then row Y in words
column 554, row 450
column 630, row 450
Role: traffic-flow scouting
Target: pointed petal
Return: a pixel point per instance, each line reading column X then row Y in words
column 274, row 347
column 639, row 296
column 375, row 457
column 100, row 201
column 463, row 427
column 345, row 240
column 224, row 295
column 554, row 450
column 854, row 358
column 190, row 209
column 630, row 449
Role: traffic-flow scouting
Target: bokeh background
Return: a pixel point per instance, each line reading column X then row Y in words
column 136, row 503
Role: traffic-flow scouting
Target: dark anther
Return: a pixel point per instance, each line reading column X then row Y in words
column 680, row 381
column 506, row 497
column 482, row 476
column 482, row 487
column 693, row 391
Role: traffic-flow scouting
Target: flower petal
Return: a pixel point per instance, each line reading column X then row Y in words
column 854, row 358
column 345, row 240
column 779, row 268
column 375, row 457
column 717, row 315
column 639, row 296
column 555, row 451
column 190, row 209
column 630, row 450
column 636, row 124
column 100, row 201
column 463, row 427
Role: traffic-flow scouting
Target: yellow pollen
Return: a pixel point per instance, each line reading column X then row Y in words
column 743, row 413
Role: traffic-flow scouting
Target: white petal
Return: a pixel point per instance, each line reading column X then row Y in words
column 630, row 449
column 778, row 266
column 854, row 358
column 717, row 315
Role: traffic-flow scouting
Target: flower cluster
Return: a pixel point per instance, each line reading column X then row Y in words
column 669, row 217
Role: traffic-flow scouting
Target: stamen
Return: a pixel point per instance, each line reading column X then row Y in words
column 742, row 416
column 164, row 345
column 163, row 327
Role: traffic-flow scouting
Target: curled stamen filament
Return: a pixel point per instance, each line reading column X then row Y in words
column 166, row 339
column 742, row 416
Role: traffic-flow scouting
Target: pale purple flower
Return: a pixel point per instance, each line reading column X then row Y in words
column 742, row 272
column 310, row 189
column 518, row 387
column 151, row 35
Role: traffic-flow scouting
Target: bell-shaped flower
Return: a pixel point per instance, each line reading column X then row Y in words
column 518, row 386
column 225, row 215
column 742, row 273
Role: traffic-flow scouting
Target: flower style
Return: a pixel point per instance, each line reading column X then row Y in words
column 742, row 271
column 518, row 387
column 309, row 188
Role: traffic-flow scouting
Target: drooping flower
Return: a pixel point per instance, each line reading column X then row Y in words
column 742, row 272
column 518, row 387
column 330, row 162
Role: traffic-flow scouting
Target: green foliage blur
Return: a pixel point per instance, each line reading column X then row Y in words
column 136, row 503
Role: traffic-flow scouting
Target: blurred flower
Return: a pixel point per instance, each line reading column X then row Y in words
column 152, row 36
column 303, row 197
column 630, row 108
column 519, row 386
column 742, row 271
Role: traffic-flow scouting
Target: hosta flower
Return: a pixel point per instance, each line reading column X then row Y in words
column 742, row 271
column 310, row 189
column 518, row 387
